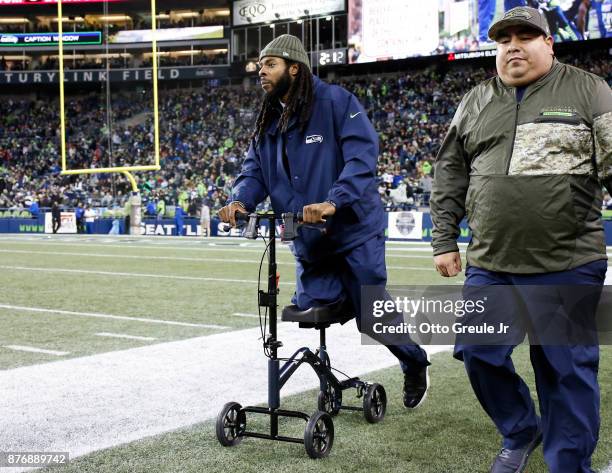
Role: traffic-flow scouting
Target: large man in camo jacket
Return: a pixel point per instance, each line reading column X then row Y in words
column 525, row 158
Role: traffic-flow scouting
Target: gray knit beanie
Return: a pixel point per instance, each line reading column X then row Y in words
column 288, row 47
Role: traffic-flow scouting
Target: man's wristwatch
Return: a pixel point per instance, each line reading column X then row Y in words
column 332, row 203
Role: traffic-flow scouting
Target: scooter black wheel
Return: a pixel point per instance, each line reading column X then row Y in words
column 330, row 400
column 319, row 435
column 374, row 403
column 231, row 424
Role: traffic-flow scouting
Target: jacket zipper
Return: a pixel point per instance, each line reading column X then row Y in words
column 518, row 107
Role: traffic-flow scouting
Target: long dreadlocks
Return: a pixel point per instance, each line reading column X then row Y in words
column 299, row 101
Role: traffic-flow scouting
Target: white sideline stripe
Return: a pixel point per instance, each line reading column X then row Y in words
column 237, row 249
column 123, row 335
column 216, row 242
column 279, row 248
column 202, row 260
column 209, row 260
column 105, row 400
column 36, row 350
column 392, row 255
column 134, row 275
column 176, row 258
column 413, row 268
column 242, row 314
column 389, row 250
column 109, row 316
column 141, row 257
column 167, row 276
column 165, row 240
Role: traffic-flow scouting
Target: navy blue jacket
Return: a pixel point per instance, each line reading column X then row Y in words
column 334, row 158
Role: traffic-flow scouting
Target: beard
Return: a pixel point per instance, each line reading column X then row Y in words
column 280, row 89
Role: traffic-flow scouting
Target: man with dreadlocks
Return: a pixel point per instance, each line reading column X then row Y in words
column 314, row 150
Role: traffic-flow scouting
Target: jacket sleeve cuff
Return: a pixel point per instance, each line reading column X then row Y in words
column 242, row 199
column 445, row 248
column 335, row 196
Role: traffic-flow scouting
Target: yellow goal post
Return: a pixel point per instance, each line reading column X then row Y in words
column 125, row 170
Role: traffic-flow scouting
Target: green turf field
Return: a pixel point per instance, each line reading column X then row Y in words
column 60, row 293
column 448, row 434
column 194, row 281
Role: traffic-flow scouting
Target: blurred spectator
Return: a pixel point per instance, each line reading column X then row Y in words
column 80, row 218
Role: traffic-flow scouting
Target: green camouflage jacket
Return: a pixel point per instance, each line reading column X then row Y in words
column 529, row 176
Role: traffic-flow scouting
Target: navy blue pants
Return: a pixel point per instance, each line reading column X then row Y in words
column 565, row 375
column 341, row 276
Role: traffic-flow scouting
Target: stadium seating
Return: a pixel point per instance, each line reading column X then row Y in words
column 205, row 133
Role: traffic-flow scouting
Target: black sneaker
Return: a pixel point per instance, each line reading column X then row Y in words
column 415, row 388
column 515, row 461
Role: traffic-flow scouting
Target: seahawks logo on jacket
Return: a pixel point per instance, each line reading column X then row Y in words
column 314, row 139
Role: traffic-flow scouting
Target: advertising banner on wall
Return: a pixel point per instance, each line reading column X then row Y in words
column 168, row 34
column 49, row 39
column 68, row 225
column 247, row 12
column 406, row 225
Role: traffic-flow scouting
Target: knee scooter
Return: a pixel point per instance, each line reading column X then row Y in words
column 231, row 425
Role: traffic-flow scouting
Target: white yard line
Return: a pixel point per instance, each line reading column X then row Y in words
column 248, row 316
column 36, row 350
column 237, row 249
column 202, row 259
column 394, row 255
column 123, row 335
column 191, row 243
column 412, row 268
column 210, row 247
column 210, row 260
column 133, row 275
column 105, row 400
column 109, row 316
column 391, row 251
column 166, row 276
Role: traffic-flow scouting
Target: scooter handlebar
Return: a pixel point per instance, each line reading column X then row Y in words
column 291, row 222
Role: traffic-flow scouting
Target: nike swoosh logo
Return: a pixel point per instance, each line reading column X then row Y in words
column 353, row 115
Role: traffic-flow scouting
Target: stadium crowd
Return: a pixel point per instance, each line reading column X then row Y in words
column 204, row 134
